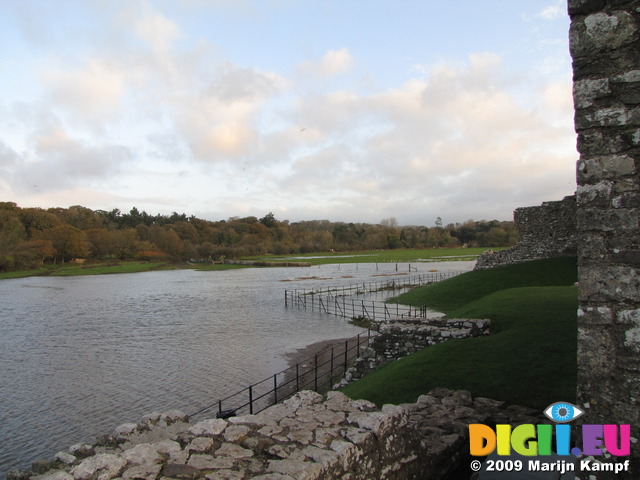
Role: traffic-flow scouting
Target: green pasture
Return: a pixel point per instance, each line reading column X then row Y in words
column 530, row 356
column 379, row 256
column 99, row 268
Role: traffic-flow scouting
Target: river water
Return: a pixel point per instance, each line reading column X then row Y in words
column 81, row 355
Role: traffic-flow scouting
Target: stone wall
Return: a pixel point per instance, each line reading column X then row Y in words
column 546, row 231
column 400, row 337
column 306, row 437
column 605, row 46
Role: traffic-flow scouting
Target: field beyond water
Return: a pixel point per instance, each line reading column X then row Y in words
column 373, row 256
column 379, row 256
column 530, row 356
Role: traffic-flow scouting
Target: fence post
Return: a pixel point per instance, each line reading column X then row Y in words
column 275, row 389
column 286, row 303
column 251, row 399
column 358, row 347
column 220, row 406
column 331, row 372
column 346, row 353
column 315, row 382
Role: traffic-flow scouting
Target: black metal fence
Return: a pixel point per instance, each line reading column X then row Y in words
column 341, row 306
column 326, row 368
column 319, row 372
column 379, row 286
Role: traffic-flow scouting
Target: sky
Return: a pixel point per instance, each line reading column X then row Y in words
column 345, row 110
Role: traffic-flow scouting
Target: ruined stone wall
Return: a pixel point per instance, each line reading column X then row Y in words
column 546, row 231
column 306, row 437
column 605, row 46
column 400, row 337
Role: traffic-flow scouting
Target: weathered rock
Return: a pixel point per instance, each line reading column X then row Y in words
column 210, row 427
column 142, row 472
column 296, row 468
column 200, row 445
column 210, row 462
column 40, row 466
column 126, row 429
column 233, row 450
column 303, row 399
column 81, row 450
column 182, row 472
column 236, row 433
column 174, row 416
column 142, row 454
column 65, row 458
column 103, row 466
column 56, row 475
column 307, row 438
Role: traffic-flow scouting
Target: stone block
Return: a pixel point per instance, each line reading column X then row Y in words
column 99, row 467
column 617, row 283
column 607, row 219
column 586, row 91
column 596, row 142
column 601, row 32
column 233, row 450
column 595, row 195
column 596, row 350
column 600, row 315
column 585, row 7
column 210, row 462
column 296, row 469
column 210, row 427
column 143, row 453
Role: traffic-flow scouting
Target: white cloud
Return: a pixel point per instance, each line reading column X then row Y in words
column 58, row 162
column 441, row 143
column 455, row 138
column 155, row 29
column 92, row 91
column 334, row 62
column 552, row 12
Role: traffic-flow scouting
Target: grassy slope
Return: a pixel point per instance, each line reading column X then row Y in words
column 456, row 292
column 529, row 359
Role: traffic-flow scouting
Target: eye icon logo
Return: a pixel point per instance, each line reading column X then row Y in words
column 563, row 412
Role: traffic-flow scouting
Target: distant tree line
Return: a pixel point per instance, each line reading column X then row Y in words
column 30, row 237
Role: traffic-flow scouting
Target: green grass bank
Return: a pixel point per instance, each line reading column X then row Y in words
column 530, row 356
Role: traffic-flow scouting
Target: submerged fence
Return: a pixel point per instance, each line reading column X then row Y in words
column 323, row 370
column 334, row 301
column 379, row 286
column 352, row 308
column 319, row 372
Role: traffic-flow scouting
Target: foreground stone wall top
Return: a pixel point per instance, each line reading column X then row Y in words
column 306, row 437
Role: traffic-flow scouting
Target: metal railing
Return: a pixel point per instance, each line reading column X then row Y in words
column 319, row 373
column 351, row 308
column 379, row 286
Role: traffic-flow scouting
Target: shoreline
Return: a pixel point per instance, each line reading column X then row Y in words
column 332, row 360
column 304, row 354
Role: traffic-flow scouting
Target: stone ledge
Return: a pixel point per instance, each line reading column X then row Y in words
column 310, row 437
